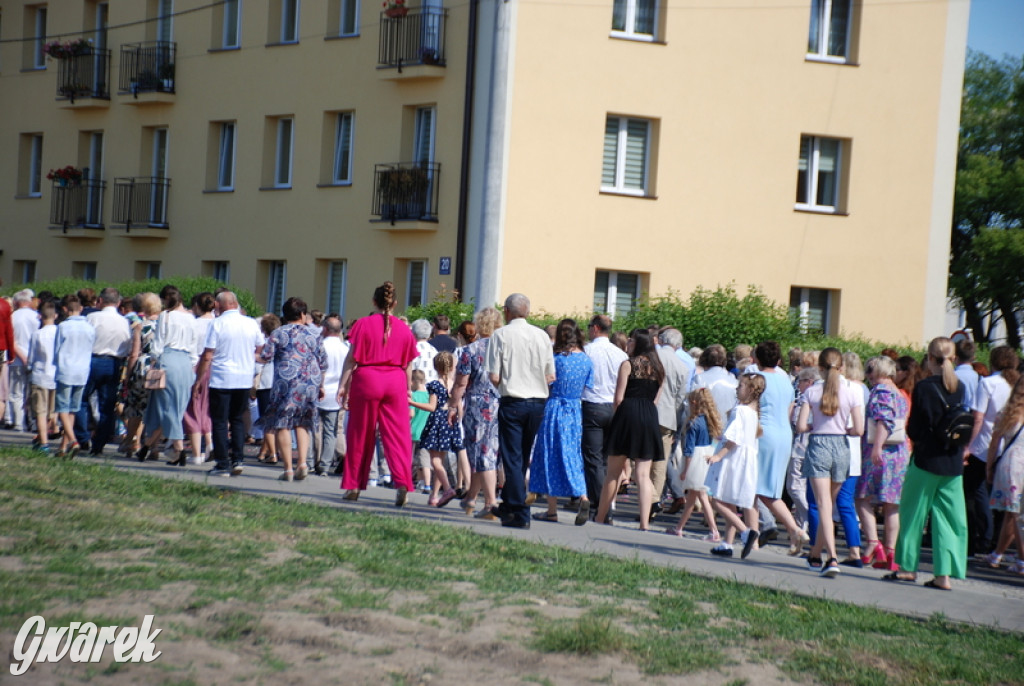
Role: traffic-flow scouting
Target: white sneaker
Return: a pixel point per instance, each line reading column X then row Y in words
column 195, row 459
column 372, row 483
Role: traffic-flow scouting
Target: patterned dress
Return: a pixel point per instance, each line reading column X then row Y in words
column 133, row 391
column 299, row 363
column 883, row 483
column 1009, row 474
column 438, row 435
column 480, row 418
column 557, row 466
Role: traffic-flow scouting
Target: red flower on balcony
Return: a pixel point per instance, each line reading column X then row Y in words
column 65, row 176
column 395, row 8
column 58, row 50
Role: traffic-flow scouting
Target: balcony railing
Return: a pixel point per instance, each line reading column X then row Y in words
column 140, row 201
column 77, row 203
column 416, row 38
column 406, row 190
column 147, row 68
column 84, row 76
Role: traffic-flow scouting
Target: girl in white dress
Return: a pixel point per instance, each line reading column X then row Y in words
column 732, row 477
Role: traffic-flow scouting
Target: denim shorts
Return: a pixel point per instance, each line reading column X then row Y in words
column 69, row 398
column 828, row 455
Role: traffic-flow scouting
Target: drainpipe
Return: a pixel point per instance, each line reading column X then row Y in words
column 467, row 138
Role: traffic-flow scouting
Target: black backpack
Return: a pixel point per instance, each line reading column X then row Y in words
column 955, row 425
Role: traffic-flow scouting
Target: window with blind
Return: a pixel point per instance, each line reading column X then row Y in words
column 416, row 282
column 829, row 34
column 626, row 152
column 635, row 19
column 343, row 148
column 33, row 170
column 819, row 180
column 283, row 155
column 616, row 293
column 276, row 283
column 226, row 157
column 813, row 306
column 336, row 288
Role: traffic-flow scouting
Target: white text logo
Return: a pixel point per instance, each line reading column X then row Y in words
column 82, row 642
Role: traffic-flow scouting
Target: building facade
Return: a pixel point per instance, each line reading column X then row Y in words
column 581, row 152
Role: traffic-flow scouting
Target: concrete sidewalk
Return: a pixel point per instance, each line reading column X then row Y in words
column 987, row 597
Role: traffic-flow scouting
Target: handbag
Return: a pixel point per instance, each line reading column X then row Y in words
column 898, row 435
column 156, row 379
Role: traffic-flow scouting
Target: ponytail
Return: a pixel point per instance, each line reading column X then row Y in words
column 941, row 351
column 829, row 361
column 384, row 298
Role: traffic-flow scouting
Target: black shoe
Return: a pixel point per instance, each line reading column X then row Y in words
column 748, row 545
column 512, row 523
column 179, row 461
column 143, row 452
column 319, row 470
column 765, row 536
column 500, row 511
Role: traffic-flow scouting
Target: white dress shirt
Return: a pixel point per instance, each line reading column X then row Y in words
column 25, row 322
column 234, row 339
column 113, row 333
column 606, row 358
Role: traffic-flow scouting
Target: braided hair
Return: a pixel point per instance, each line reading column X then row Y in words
column 384, row 298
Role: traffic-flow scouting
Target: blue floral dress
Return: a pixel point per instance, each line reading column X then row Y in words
column 480, row 417
column 299, row 363
column 883, row 483
column 438, row 435
column 557, row 466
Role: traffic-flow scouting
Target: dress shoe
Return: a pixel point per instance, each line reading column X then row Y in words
column 516, row 523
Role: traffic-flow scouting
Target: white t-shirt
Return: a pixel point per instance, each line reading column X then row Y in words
column 234, row 339
column 337, row 351
column 41, row 357
column 993, row 392
column 850, row 396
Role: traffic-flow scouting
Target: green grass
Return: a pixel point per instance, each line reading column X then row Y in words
column 84, row 531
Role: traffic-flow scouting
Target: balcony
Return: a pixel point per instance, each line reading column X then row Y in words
column 412, row 46
column 140, row 206
column 85, row 78
column 406, row 192
column 76, row 207
column 147, row 72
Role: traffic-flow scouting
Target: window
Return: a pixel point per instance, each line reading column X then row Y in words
column 814, row 308
column 94, row 175
column 343, row 148
column 38, row 56
column 158, row 191
column 818, row 182
column 276, row 285
column 635, row 19
column 226, row 157
column 829, row 36
column 232, row 30
column 616, row 293
column 24, row 271
column 283, row 155
column 336, row 288
column 84, row 270
column 289, row 21
column 165, row 21
column 217, row 269
column 349, row 21
column 416, row 282
column 34, row 168
column 147, row 270
column 626, row 151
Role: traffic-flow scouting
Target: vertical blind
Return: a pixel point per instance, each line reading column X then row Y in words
column 226, row 164
column 343, row 148
column 336, row 289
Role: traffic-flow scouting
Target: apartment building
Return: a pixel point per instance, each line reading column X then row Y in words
column 583, row 152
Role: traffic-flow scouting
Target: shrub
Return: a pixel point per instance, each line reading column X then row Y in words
column 446, row 302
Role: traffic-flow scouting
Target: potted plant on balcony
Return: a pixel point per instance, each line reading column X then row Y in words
column 167, row 76
column 60, row 51
column 395, row 8
column 145, row 82
column 429, row 56
column 403, row 192
column 65, row 176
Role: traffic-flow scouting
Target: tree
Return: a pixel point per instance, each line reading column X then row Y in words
column 987, row 243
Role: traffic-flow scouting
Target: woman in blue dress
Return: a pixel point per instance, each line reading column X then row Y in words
column 557, row 466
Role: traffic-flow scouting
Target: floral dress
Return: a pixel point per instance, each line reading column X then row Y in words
column 480, row 419
column 438, row 435
column 883, row 483
column 133, row 390
column 557, row 466
column 1009, row 474
column 299, row 363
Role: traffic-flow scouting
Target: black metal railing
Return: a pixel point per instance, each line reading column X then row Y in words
column 84, row 76
column 406, row 190
column 77, row 203
column 415, row 38
column 140, row 201
column 147, row 67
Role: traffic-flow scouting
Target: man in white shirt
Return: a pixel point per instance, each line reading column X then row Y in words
column 599, row 403
column 328, row 406
column 520, row 364
column 25, row 321
column 232, row 343
column 110, row 348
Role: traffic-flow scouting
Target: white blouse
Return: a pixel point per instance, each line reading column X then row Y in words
column 175, row 330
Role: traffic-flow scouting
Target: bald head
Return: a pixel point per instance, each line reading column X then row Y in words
column 226, row 300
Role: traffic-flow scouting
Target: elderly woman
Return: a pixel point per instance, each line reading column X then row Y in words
column 299, row 363
column 425, row 353
column 475, row 402
column 134, row 395
column 886, row 454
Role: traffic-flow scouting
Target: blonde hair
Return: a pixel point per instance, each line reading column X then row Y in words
column 444, row 363
column 942, row 351
column 702, row 403
column 1013, row 412
column 830, row 361
column 852, row 367
column 149, row 304
column 756, row 384
column 487, row 320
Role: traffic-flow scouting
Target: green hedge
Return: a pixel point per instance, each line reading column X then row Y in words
column 188, row 285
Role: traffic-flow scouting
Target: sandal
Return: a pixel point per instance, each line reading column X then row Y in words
column 909, row 577
column 932, row 584
column 796, row 547
column 286, row 475
column 546, row 517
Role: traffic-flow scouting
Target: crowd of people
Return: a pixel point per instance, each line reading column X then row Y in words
column 508, row 413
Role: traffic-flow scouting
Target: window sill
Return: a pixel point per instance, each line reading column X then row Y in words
column 280, row 43
column 218, row 190
column 337, row 184
column 275, row 188
column 624, row 194
column 342, row 36
column 636, row 37
column 29, row 70
column 840, row 61
column 820, row 210
column 232, row 48
column 29, row 196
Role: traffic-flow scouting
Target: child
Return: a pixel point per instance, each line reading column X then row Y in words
column 43, row 372
column 1005, row 474
column 418, row 418
column 732, row 478
column 705, row 423
column 440, row 437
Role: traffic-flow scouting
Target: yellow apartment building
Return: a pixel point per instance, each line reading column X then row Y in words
column 583, row 152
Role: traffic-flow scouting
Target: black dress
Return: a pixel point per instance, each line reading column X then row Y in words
column 634, row 431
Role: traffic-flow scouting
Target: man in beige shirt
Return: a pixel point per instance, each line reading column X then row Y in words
column 521, row 365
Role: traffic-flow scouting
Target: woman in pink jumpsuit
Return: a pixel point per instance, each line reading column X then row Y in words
column 375, row 390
